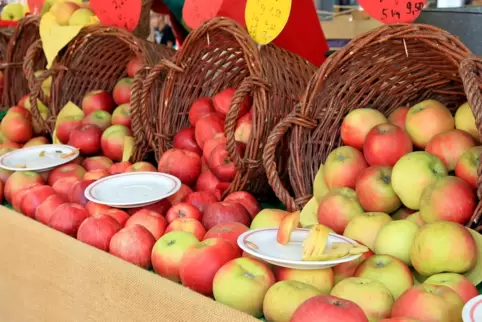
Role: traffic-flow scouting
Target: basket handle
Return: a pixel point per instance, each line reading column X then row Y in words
column 35, row 92
column 32, row 55
column 138, row 118
column 269, row 154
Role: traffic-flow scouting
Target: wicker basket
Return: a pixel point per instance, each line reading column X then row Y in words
column 218, row 55
column 391, row 66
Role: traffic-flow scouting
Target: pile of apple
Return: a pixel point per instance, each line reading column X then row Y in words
column 199, row 157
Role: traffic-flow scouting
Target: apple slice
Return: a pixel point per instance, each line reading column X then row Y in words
column 309, row 214
column 315, row 243
column 286, row 227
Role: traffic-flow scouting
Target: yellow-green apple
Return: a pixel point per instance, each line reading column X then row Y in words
column 96, row 209
column 343, row 166
column 396, row 238
column 450, row 199
column 244, row 127
column 62, row 186
column 200, row 199
column 13, row 12
column 47, row 208
column 19, row 181
column 189, row 225
column 133, row 244
column 465, row 121
column 374, row 190
column 327, row 308
column 168, row 251
column 98, row 100
column 268, row 218
column 133, row 66
column 460, row 284
column 224, row 212
column 356, row 125
column 96, row 163
column 388, row 270
column 122, row 115
column 112, row 141
column 210, row 254
column 427, row 302
column 416, row 218
column 119, row 215
column 385, row 144
column 81, row 17
column 412, row 173
column 372, row 297
column 347, row 269
column 398, row 116
column 183, row 210
column 150, row 220
column 67, row 218
column 337, row 208
column 250, row 278
column 119, row 167
column 228, row 231
column 200, row 108
column 184, row 164
column 100, row 118
column 66, row 126
column 185, row 139
column 16, row 127
column 402, row 213
column 443, row 247
column 141, row 166
column 97, row 232
column 122, row 91
column 39, row 140
column 222, row 102
column 284, row 297
column 66, row 171
column 467, row 165
column 449, row 146
column 427, row 119
column 33, row 197
column 247, row 200
column 64, row 11
column 322, row 279
column 86, row 138
column 365, row 227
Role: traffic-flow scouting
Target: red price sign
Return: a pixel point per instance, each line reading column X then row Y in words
column 35, row 6
column 195, row 12
column 393, row 11
column 118, row 13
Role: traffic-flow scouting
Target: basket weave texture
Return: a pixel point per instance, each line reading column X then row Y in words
column 389, row 67
column 218, row 55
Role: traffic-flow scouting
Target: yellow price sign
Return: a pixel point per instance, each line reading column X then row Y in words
column 266, row 19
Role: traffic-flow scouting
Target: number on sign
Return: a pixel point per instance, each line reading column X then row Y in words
column 390, row 13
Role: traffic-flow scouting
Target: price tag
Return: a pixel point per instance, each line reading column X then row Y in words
column 266, row 19
column 118, row 13
column 195, row 12
column 35, row 6
column 393, row 11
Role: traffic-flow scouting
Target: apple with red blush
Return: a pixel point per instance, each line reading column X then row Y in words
column 247, row 200
column 151, row 220
column 200, row 108
column 67, row 218
column 98, row 100
column 66, row 171
column 224, row 212
column 122, row 91
column 122, row 115
column 96, row 209
column 222, row 102
column 200, row 199
column 229, row 231
column 133, row 66
column 179, row 195
column 102, row 119
column 86, row 138
column 113, row 140
column 141, row 166
column 161, row 207
column 207, row 181
column 66, row 126
column 244, row 127
column 45, row 210
column 19, row 181
column 76, row 192
column 39, row 140
column 207, row 127
column 220, row 164
column 185, row 140
column 134, row 245
column 183, row 210
column 96, row 163
column 189, row 225
column 97, row 174
column 327, row 308
column 119, row 215
column 33, row 198
column 119, row 167
column 62, row 186
column 183, row 164
column 98, row 232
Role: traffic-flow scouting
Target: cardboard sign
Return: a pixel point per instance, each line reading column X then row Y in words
column 35, row 6
column 118, row 13
column 266, row 19
column 195, row 12
column 393, row 11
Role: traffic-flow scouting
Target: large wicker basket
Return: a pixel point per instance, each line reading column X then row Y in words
column 392, row 66
column 218, row 55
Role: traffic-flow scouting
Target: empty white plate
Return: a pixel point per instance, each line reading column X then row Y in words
column 38, row 158
column 132, row 189
column 261, row 243
column 472, row 311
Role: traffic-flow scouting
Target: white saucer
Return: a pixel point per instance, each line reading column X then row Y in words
column 472, row 311
column 261, row 243
column 132, row 189
column 38, row 158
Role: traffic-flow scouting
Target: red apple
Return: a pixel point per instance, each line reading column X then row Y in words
column 86, row 138
column 16, row 127
column 222, row 102
column 199, row 109
column 183, row 210
column 119, row 215
column 185, row 165
column 220, row 164
column 102, row 119
column 224, row 212
column 62, row 186
column 21, row 180
column 200, row 199
column 247, row 200
column 66, row 171
column 151, row 220
column 33, row 199
column 19, row 195
column 96, row 209
column 97, row 232
column 343, row 166
column 466, row 168
column 22, row 100
column 94, row 175
column 207, row 127
column 78, row 160
column 385, row 144
column 96, row 163
column 189, row 225
column 327, row 308
column 449, row 146
column 161, row 207
column 398, row 116
column 347, row 269
column 141, row 167
column 133, row 244
column 356, row 125
column 45, row 210
column 21, row 110
column 122, row 91
column 179, row 195
column 122, row 115
column 39, row 140
column 119, row 167
column 221, row 187
column 212, row 143
column 98, row 100
column 133, row 66
column 207, row 181
column 65, row 128
column 67, row 218
column 112, row 141
column 185, row 140
column 76, row 192
column 229, row 231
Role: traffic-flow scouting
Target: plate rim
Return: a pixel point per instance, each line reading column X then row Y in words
column 89, row 196
column 469, row 308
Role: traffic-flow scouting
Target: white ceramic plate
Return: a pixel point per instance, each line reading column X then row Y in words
column 472, row 311
column 261, row 243
column 132, row 189
column 38, row 158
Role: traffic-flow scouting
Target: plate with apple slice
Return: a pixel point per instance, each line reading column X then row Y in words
column 38, row 158
column 132, row 189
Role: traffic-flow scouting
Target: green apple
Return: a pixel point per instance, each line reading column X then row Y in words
column 13, row 12
column 64, row 11
column 395, row 239
column 412, row 173
column 460, row 284
column 416, row 219
column 81, row 17
column 365, row 227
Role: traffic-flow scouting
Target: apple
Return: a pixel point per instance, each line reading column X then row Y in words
column 207, row 127
column 429, row 303
column 385, row 144
column 365, row 227
column 207, row 181
column 13, row 12
column 220, row 164
column 247, row 200
column 395, row 239
column 200, row 199
column 97, row 163
column 449, row 198
column 184, row 164
column 416, row 218
column 161, row 207
column 102, row 119
column 96, row 209
column 398, row 116
column 45, row 210
column 69, row 170
column 244, row 127
column 327, row 308
column 185, row 140
column 98, row 100
column 268, row 218
column 66, row 126
column 23, row 100
column 64, row 11
column 465, row 121
column 19, row 181
column 322, row 279
column 63, row 186
column 250, row 277
column 168, row 251
column 134, row 245
column 200, row 108
column 19, row 195
column 402, row 213
column 183, row 210
column 97, row 232
column 343, row 166
column 458, row 283
column 210, row 254
column 412, row 173
column 86, row 138
column 119, row 215
column 179, row 195
column 94, row 175
column 119, row 167
column 443, row 247
column 122, row 115
column 151, row 220
column 466, row 167
column 229, row 231
column 189, row 225
column 224, row 212
column 33, row 198
column 337, row 208
column 372, row 296
column 374, row 190
column 133, row 66
column 67, row 218
column 39, row 140
column 76, row 192
column 4, row 175
column 21, row 110
column 16, row 127
column 81, row 17
column 401, row 319
column 449, row 146
column 427, row 119
column 141, row 166
column 356, row 125
column 122, row 91
column 211, row 144
column 348, row 269
column 222, row 102
column 112, row 141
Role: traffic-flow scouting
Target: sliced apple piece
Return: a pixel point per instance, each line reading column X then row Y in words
column 319, row 186
column 286, row 227
column 315, row 242
column 309, row 214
